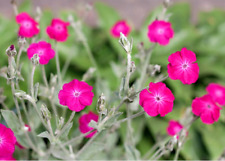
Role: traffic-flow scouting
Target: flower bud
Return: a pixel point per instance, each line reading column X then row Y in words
column 125, row 43
column 132, row 67
column 101, row 105
column 21, row 41
column 45, row 112
column 35, row 60
column 152, row 69
column 11, row 51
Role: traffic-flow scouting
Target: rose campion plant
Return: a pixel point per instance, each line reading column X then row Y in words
column 120, row 26
column 217, row 92
column 174, row 127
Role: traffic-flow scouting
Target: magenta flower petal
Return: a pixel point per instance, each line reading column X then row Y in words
column 160, row 31
column 76, row 95
column 120, row 26
column 206, row 108
column 174, row 127
column 182, row 67
column 28, row 26
column 157, row 100
column 217, row 92
column 44, row 51
column 58, row 30
column 7, row 141
column 84, row 121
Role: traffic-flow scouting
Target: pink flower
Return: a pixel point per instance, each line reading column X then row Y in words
column 158, row 99
column 7, row 141
column 160, row 32
column 28, row 26
column 120, row 26
column 7, row 158
column 58, row 30
column 217, row 92
column 84, row 121
column 182, row 66
column 76, row 95
column 206, row 108
column 44, row 51
column 174, row 127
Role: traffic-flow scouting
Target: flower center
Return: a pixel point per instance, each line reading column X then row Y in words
column 160, row 31
column 27, row 24
column 209, row 106
column 158, row 99
column 185, row 66
column 58, row 27
column 76, row 94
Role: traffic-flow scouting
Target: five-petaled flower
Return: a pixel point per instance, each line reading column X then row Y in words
column 160, row 31
column 182, row 66
column 84, row 121
column 174, row 127
column 7, row 141
column 158, row 99
column 120, row 26
column 217, row 92
column 44, row 51
column 28, row 26
column 58, row 30
column 206, row 109
column 76, row 95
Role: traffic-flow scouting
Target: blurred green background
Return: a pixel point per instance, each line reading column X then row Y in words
column 206, row 37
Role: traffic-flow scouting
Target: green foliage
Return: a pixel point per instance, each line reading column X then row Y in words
column 206, row 39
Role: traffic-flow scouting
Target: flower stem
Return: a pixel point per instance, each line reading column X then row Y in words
column 44, row 76
column 128, row 72
column 58, row 65
column 67, row 124
column 32, row 81
column 18, row 57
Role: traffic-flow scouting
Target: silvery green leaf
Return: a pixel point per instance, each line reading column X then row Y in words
column 22, row 95
column 11, row 120
column 66, row 132
column 93, row 124
column 61, row 154
column 36, row 87
column 113, row 119
column 131, row 152
column 45, row 134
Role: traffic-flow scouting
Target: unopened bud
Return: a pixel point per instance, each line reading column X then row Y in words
column 45, row 112
column 21, row 41
column 11, row 51
column 152, row 69
column 101, row 105
column 125, row 43
column 35, row 59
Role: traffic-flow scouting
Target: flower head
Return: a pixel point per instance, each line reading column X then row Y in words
column 76, row 95
column 174, row 127
column 43, row 50
column 84, row 121
column 160, row 32
column 182, row 66
column 217, row 92
column 28, row 26
column 158, row 99
column 120, row 26
column 206, row 109
column 7, row 158
column 7, row 141
column 58, row 30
